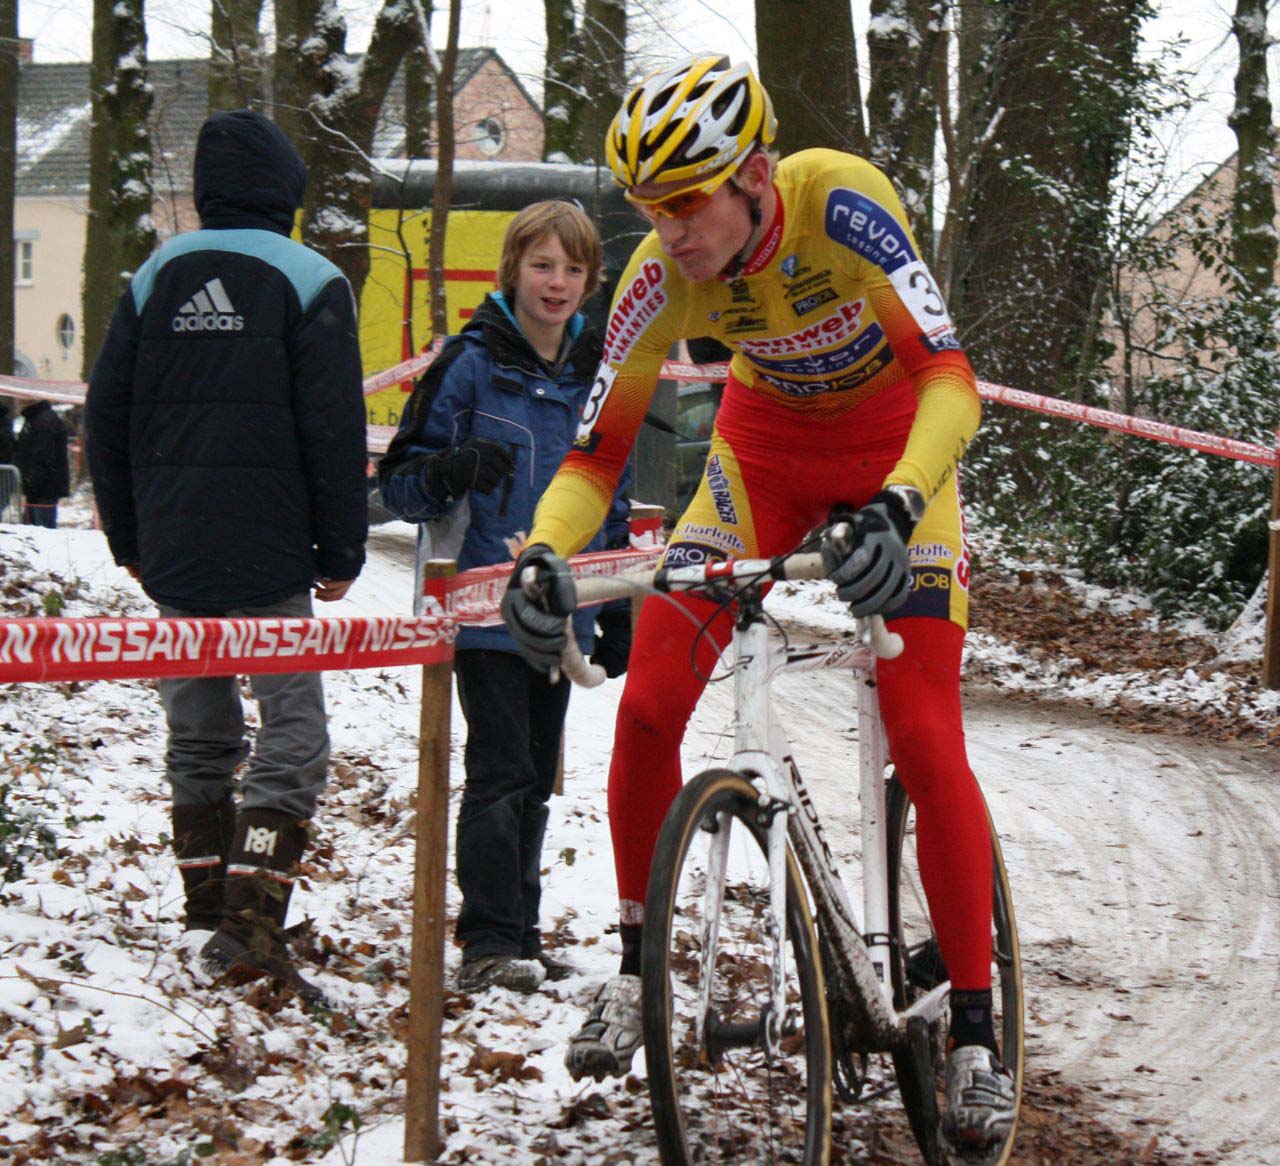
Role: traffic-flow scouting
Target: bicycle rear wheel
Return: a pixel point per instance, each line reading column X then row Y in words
column 721, row 1099
column 919, row 967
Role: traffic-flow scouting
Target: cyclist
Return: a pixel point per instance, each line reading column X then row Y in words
column 848, row 387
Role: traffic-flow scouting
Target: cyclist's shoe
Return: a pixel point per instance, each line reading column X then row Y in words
column 501, row 971
column 605, row 1044
column 981, row 1102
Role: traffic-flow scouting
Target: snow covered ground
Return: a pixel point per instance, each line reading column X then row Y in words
column 1146, row 872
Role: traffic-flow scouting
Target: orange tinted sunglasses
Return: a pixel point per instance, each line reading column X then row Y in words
column 680, row 204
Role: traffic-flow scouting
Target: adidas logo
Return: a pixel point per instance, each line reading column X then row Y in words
column 209, row 310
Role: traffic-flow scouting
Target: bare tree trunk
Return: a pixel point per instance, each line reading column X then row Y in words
column 444, row 175
column 419, row 101
column 289, row 90
column 562, row 83
column 809, row 65
column 8, row 176
column 1253, row 206
column 120, row 233
column 1029, row 256
column 1048, row 136
column 342, row 101
column 904, row 42
column 604, row 73
column 236, row 79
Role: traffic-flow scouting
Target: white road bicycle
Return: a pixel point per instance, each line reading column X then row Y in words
column 763, row 990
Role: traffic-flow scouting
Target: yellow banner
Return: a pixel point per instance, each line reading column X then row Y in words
column 389, row 334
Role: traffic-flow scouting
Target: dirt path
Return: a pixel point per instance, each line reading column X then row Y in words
column 1146, row 874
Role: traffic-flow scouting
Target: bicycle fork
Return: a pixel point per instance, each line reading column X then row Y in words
column 752, row 756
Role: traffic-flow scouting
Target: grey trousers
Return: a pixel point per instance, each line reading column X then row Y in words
column 207, row 737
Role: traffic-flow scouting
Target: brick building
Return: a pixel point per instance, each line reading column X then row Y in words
column 496, row 119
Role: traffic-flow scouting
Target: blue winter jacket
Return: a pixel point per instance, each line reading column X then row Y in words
column 490, row 382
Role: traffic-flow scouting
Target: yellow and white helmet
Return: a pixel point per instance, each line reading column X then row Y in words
column 689, row 121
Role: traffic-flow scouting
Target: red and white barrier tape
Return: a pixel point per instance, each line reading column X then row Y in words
column 72, row 393
column 119, row 649
column 475, row 594
column 46, row 650
column 59, row 392
column 1243, row 451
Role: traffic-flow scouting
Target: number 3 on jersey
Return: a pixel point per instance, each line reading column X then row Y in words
column 921, row 297
column 595, row 402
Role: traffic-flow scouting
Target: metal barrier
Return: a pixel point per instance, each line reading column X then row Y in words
column 10, row 494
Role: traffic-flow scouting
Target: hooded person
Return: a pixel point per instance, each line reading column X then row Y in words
column 6, row 435
column 225, row 434
column 40, row 453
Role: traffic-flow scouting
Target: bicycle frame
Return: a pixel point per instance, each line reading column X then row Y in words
column 862, row 946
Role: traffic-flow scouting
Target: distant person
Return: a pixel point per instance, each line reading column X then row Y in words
column 7, row 447
column 226, row 441
column 485, row 430
column 40, row 454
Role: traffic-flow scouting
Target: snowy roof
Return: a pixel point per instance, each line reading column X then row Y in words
column 53, row 120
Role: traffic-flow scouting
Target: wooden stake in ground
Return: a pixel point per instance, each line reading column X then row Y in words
column 426, row 966
column 1271, row 657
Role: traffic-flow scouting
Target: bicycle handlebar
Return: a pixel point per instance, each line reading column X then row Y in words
column 594, row 589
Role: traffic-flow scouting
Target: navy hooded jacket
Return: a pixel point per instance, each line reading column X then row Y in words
column 225, row 425
column 490, row 382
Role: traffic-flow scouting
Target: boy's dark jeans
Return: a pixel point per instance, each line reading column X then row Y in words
column 515, row 718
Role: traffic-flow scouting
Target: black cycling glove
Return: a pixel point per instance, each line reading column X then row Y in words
column 869, row 564
column 538, row 617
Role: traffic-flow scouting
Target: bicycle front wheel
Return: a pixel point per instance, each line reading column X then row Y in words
column 720, row 1098
column 920, row 966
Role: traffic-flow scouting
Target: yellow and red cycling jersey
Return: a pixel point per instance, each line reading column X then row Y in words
column 834, row 307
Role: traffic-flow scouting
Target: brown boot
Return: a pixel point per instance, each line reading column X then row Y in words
column 250, row 939
column 201, row 842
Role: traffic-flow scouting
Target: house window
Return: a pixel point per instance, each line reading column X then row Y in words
column 490, row 136
column 66, row 332
column 24, row 267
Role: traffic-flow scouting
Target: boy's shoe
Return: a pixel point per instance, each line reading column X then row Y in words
column 981, row 1102
column 556, row 969
column 605, row 1044
column 501, row 971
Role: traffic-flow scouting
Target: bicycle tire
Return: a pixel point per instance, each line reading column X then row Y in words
column 920, row 1084
column 722, row 1101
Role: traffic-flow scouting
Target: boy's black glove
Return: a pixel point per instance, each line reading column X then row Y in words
column 477, row 464
column 869, row 567
column 538, row 619
column 613, row 639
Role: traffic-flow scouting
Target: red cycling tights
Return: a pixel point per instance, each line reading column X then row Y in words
column 920, row 703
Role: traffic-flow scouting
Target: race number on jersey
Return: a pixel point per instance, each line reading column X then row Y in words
column 595, row 402
column 918, row 292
